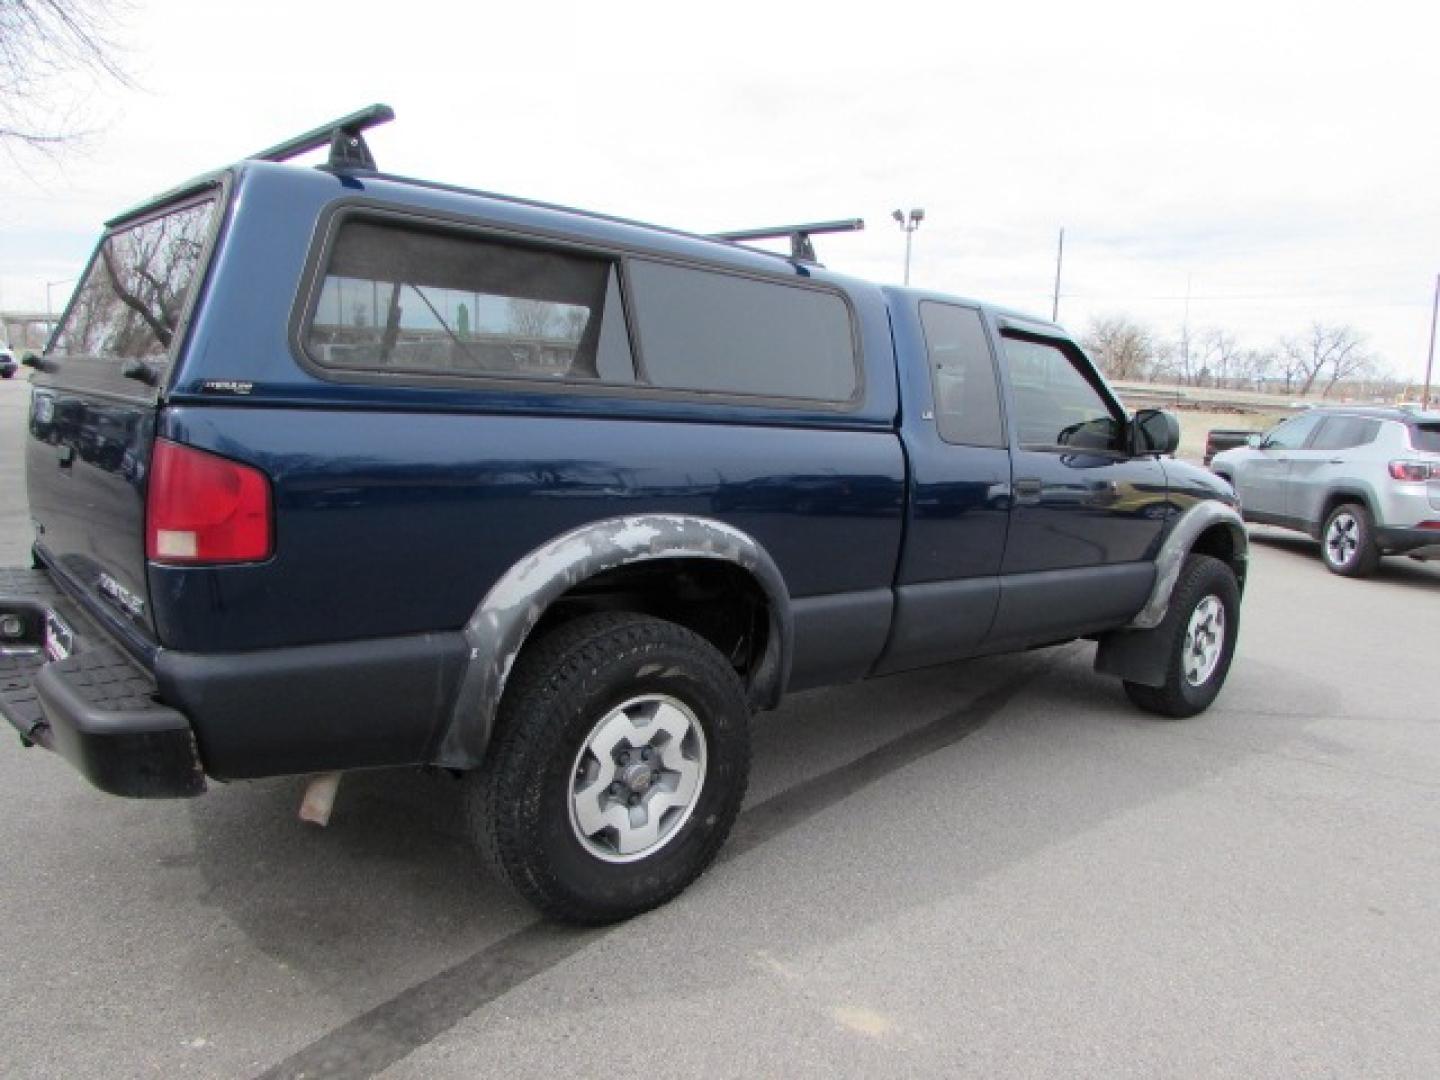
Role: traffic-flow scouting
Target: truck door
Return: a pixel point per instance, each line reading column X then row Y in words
column 1087, row 517
column 947, row 584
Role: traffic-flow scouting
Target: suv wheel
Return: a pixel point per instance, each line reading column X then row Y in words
column 619, row 764
column 1198, row 634
column 1347, row 543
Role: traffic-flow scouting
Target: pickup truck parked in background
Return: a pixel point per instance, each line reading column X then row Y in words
column 334, row 470
column 1220, row 439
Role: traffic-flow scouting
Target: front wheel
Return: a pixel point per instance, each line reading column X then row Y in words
column 619, row 764
column 1198, row 634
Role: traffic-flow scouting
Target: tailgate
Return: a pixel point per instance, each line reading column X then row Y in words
column 94, row 402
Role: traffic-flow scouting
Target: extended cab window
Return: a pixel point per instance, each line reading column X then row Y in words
column 967, row 402
column 402, row 299
column 131, row 300
column 1055, row 404
column 708, row 331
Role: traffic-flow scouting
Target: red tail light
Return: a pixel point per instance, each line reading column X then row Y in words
column 1414, row 470
column 202, row 508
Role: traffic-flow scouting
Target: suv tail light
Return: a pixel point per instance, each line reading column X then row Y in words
column 1414, row 470
column 202, row 508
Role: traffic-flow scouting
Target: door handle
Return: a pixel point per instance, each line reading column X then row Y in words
column 1336, row 461
column 67, row 456
column 1028, row 487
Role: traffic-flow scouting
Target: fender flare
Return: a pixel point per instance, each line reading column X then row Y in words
column 1187, row 529
column 501, row 625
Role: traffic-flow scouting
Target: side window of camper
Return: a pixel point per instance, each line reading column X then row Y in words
column 402, row 299
column 704, row 331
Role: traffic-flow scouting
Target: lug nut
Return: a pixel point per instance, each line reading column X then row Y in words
column 645, row 754
column 634, row 800
column 625, row 758
column 616, row 789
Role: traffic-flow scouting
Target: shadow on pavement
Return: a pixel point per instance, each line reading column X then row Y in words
column 391, row 895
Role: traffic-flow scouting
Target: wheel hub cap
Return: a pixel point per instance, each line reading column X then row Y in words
column 637, row 778
column 1204, row 640
column 1341, row 540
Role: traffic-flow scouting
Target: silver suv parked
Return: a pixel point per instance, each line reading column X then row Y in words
column 1364, row 482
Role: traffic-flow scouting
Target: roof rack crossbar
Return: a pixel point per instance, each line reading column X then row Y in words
column 347, row 145
column 801, row 249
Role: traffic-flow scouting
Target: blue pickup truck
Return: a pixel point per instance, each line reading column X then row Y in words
column 332, row 469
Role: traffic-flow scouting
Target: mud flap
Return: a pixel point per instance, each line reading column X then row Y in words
column 1136, row 656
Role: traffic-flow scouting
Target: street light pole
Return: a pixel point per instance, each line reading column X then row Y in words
column 49, row 305
column 909, row 222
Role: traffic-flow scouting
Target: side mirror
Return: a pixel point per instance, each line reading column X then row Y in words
column 1154, row 431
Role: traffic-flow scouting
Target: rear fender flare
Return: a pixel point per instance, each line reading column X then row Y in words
column 501, row 625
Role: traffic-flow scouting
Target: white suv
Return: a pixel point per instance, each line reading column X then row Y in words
column 1364, row 482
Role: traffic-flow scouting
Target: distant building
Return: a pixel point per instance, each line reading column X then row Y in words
column 22, row 330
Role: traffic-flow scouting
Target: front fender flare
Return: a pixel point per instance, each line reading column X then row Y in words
column 501, row 625
column 1187, row 529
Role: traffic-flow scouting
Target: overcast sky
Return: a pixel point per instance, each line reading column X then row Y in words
column 1276, row 163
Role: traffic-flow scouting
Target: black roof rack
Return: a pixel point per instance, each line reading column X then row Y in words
column 343, row 136
column 801, row 249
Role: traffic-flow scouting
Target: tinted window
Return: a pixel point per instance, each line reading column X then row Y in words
column 1055, row 405
column 1345, row 432
column 1426, row 437
column 967, row 402
column 1291, row 435
column 708, row 331
column 401, row 299
column 129, row 305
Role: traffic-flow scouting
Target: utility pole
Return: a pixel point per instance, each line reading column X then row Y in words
column 1430, row 357
column 1059, row 260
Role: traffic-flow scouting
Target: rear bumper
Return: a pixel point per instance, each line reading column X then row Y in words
column 95, row 708
column 230, row 716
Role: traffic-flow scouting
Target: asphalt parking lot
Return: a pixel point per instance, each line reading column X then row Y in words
column 989, row 869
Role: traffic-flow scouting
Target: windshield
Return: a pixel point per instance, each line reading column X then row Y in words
column 133, row 295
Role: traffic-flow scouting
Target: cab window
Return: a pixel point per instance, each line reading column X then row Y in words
column 1056, row 406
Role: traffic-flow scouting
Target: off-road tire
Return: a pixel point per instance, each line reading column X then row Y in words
column 1349, row 550
column 1203, row 580
column 518, row 804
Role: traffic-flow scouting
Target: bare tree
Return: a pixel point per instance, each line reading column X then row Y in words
column 1335, row 351
column 1220, row 353
column 531, row 318
column 43, row 45
column 1122, row 348
column 1255, row 365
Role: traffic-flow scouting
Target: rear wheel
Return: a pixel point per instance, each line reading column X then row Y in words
column 619, row 764
column 1347, row 542
column 1198, row 636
